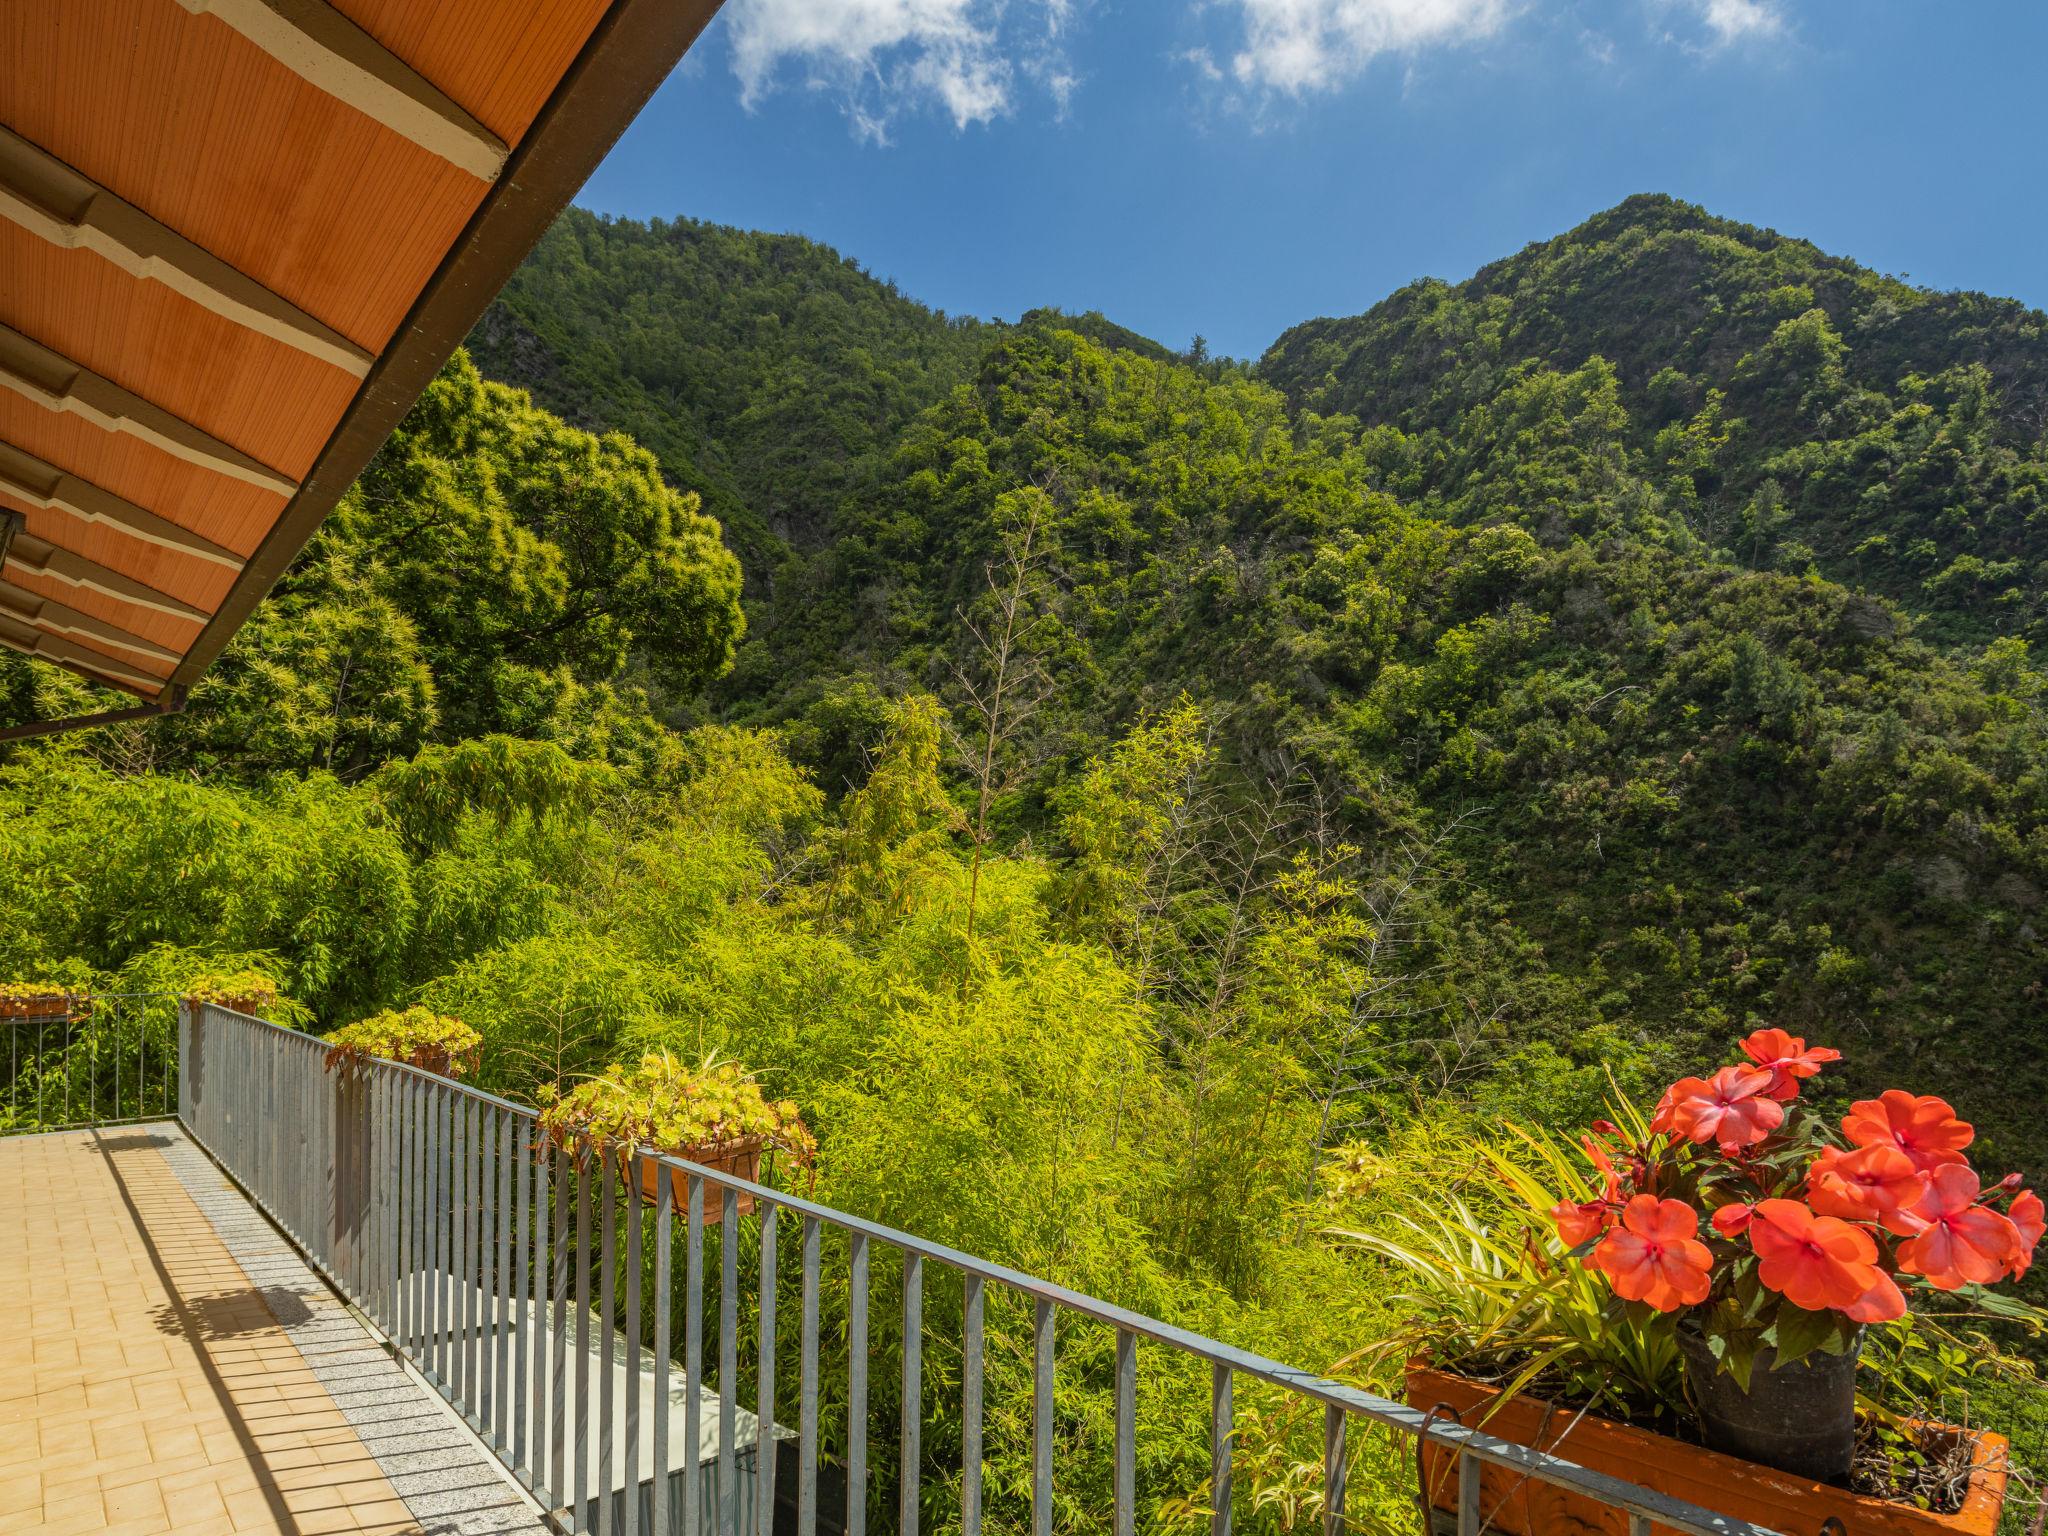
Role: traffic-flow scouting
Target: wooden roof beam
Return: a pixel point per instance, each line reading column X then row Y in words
column 57, row 384
column 332, row 54
column 54, row 203
column 39, row 557
column 29, row 479
column 57, row 618
column 83, row 660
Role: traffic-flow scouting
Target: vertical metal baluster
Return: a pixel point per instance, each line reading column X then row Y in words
column 764, row 1450
column 911, row 1484
column 406, row 1190
column 465, row 1366
column 664, row 1238
column 580, row 1407
column 1220, row 1436
column 607, row 1304
column 1334, row 1425
column 508, row 1320
column 970, row 1408
column 694, row 1514
column 558, row 1290
column 630, row 1521
column 857, row 1389
column 525, row 1313
column 1126, row 1432
column 437, row 1286
column 728, row 1361
column 487, row 1298
column 1638, row 1525
column 1468, row 1494
column 807, row 1401
column 1041, row 1418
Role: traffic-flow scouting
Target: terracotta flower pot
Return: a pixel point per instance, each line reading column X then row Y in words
column 50, row 1005
column 741, row 1158
column 1725, row 1484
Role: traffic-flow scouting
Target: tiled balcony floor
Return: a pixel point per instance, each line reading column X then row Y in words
column 150, row 1382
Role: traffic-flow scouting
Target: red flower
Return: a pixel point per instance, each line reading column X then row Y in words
column 1787, row 1058
column 1730, row 1108
column 1960, row 1242
column 1655, row 1256
column 2030, row 1220
column 1815, row 1262
column 1733, row 1220
column 1660, row 1118
column 1882, row 1303
column 1578, row 1224
column 1874, row 1183
column 1924, row 1128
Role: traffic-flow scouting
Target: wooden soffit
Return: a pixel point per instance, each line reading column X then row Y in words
column 237, row 239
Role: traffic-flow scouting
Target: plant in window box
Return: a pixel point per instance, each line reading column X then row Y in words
column 41, row 1000
column 418, row 1037
column 715, row 1115
column 248, row 991
column 1705, row 1279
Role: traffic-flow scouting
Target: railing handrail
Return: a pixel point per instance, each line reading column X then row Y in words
column 1643, row 1505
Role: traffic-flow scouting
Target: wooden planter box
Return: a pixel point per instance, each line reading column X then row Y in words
column 1725, row 1484
column 52, row 1005
column 741, row 1158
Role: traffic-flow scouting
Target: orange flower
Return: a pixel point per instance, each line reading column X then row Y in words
column 1733, row 1220
column 1874, row 1183
column 1960, row 1242
column 2030, row 1220
column 1924, row 1128
column 1578, row 1224
column 1787, row 1058
column 1882, row 1303
column 1815, row 1262
column 1730, row 1108
column 1660, row 1118
column 1655, row 1256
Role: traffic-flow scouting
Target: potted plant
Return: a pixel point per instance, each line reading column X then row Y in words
column 715, row 1115
column 418, row 1037
column 247, row 991
column 41, row 1000
column 1685, row 1306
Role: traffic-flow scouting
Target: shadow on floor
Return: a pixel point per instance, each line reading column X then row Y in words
column 133, row 1141
column 232, row 1314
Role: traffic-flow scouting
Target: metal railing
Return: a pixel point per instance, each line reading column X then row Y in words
column 539, row 1297
column 104, row 1059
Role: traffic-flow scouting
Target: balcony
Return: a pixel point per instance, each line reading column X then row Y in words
column 280, row 1298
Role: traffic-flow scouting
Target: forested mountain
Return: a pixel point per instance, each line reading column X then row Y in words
column 1796, row 409
column 1645, row 579
column 1144, row 808
column 761, row 370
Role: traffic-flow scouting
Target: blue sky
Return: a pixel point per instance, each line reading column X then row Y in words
column 1230, row 167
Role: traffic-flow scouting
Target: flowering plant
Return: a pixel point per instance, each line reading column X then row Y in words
column 659, row 1102
column 418, row 1037
column 1740, row 1207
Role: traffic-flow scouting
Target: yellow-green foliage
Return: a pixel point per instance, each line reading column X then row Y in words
column 416, row 1036
column 659, row 1103
column 1461, row 1219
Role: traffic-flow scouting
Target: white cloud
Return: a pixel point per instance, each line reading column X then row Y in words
column 1731, row 21
column 886, row 56
column 1295, row 46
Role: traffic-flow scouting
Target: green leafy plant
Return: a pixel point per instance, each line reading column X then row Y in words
column 1494, row 1291
column 659, row 1102
column 244, row 991
column 417, row 1036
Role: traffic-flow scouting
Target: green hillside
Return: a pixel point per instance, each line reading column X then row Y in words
column 1801, row 411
